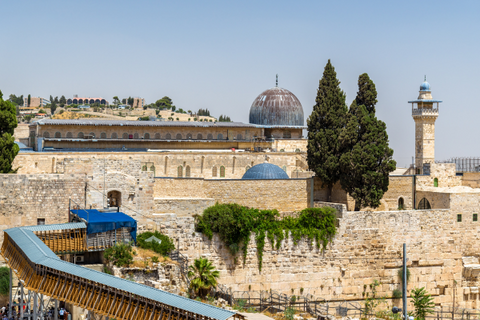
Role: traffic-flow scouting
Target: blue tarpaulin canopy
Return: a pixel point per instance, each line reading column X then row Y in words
column 106, row 221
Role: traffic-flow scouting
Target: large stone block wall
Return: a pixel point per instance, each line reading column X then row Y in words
column 166, row 164
column 367, row 247
column 26, row 198
column 471, row 179
column 445, row 173
column 284, row 195
column 399, row 187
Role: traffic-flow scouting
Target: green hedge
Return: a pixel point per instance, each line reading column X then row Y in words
column 235, row 224
column 164, row 247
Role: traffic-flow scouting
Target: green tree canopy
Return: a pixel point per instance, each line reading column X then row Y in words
column 367, row 93
column 203, row 276
column 8, row 120
column 366, row 159
column 8, row 148
column 164, row 103
column 324, row 127
column 62, row 101
column 18, row 101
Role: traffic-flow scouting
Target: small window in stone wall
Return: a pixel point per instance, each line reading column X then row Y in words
column 135, row 135
column 58, row 135
column 297, row 150
column 459, row 218
column 282, row 150
column 178, row 136
column 220, row 136
column 69, row 135
column 180, row 171
column 199, row 136
column 40, row 221
column 187, row 171
column 114, row 135
column 189, row 136
column 246, row 168
column 80, row 135
column 222, row 172
column 125, row 136
column 239, row 136
column 209, row 136
column 401, row 204
column 287, row 134
column 157, row 136
column 92, row 135
column 214, row 172
column 435, row 182
column 168, row 136
column 284, row 168
column 146, row 136
column 103, row 135
column 475, row 217
column 46, row 134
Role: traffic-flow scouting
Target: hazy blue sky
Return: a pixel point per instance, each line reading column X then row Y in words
column 221, row 54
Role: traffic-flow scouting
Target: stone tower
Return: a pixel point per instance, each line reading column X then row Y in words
column 424, row 113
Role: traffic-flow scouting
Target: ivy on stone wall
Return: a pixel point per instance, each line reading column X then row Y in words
column 235, row 224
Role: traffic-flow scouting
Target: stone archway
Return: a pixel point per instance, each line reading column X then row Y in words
column 114, row 198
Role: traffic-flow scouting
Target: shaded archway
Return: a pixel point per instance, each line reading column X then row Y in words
column 114, row 198
column 424, row 204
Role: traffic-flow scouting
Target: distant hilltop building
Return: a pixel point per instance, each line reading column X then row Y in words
column 35, row 102
column 276, row 123
column 138, row 102
column 84, row 100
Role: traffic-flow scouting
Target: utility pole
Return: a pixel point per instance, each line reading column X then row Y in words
column 404, row 282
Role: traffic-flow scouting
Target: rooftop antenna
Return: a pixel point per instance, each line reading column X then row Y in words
column 277, row 81
column 425, row 78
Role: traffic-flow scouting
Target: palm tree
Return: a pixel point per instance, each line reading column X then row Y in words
column 203, row 276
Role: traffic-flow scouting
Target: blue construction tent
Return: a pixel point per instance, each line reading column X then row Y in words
column 98, row 222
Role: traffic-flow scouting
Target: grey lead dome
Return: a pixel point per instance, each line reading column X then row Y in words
column 276, row 106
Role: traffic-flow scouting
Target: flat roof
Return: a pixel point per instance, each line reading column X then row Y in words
column 131, row 123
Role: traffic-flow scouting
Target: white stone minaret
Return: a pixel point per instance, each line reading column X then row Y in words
column 424, row 113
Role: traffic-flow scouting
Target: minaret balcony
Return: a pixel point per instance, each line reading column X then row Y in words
column 425, row 112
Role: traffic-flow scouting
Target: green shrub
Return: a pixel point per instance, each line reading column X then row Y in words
column 423, row 303
column 235, row 224
column 4, row 281
column 120, row 254
column 397, row 294
column 164, row 247
column 289, row 313
column 154, row 259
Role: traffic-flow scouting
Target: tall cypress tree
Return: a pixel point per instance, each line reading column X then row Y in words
column 8, row 123
column 366, row 159
column 324, row 127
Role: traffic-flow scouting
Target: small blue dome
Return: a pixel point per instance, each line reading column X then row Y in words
column 265, row 171
column 425, row 86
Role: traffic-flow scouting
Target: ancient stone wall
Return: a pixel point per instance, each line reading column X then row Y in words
column 445, row 173
column 284, row 195
column 367, row 247
column 21, row 131
column 165, row 164
column 399, row 187
column 26, row 198
column 471, row 179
